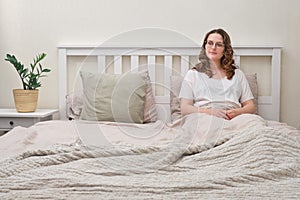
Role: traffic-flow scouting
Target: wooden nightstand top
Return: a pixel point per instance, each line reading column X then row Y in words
column 39, row 113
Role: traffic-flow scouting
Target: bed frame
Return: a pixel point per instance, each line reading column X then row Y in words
column 269, row 106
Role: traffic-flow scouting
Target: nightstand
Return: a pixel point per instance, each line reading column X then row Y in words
column 10, row 118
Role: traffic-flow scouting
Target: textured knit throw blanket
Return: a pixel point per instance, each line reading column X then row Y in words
column 244, row 160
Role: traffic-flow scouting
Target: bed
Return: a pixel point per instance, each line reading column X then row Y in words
column 150, row 151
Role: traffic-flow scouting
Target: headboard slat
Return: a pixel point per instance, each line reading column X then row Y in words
column 237, row 60
column 134, row 63
column 101, row 63
column 185, row 62
column 118, row 64
column 167, row 73
column 151, row 69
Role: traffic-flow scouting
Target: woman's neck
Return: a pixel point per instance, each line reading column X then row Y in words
column 215, row 66
column 217, row 71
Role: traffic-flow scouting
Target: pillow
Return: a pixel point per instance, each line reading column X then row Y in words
column 150, row 113
column 252, row 80
column 113, row 97
column 75, row 102
column 175, row 86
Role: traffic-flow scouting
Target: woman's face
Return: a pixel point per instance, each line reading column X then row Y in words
column 214, row 47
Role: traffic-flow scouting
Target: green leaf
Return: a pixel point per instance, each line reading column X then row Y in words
column 29, row 75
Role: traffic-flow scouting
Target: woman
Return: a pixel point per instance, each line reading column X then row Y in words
column 215, row 86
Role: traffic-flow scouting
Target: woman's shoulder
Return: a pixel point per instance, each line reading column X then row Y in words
column 191, row 72
column 192, row 75
column 239, row 72
column 194, row 71
column 239, row 75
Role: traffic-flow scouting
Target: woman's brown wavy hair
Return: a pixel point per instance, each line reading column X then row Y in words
column 227, row 61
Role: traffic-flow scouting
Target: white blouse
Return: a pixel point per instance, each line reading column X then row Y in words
column 208, row 92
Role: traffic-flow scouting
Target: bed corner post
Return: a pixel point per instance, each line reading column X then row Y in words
column 276, row 77
column 62, row 68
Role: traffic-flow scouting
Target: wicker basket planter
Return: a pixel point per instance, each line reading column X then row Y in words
column 25, row 100
column 27, row 97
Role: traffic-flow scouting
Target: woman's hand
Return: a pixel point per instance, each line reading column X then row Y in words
column 187, row 107
column 215, row 112
column 247, row 107
column 232, row 113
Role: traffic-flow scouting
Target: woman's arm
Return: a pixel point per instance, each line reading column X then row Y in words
column 247, row 107
column 187, row 107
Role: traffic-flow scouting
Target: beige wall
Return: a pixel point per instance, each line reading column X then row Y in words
column 33, row 26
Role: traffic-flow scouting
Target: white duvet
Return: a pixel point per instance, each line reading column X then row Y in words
column 197, row 157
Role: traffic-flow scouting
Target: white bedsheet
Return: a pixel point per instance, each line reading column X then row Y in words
column 197, row 157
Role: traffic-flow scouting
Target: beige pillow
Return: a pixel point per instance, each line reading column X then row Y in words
column 150, row 113
column 112, row 97
column 75, row 102
column 175, row 86
column 252, row 80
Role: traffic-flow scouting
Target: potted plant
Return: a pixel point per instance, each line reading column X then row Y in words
column 26, row 98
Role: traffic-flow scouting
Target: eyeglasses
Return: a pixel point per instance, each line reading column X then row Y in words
column 217, row 44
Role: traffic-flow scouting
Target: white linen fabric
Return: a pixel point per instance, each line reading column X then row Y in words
column 198, row 157
column 206, row 91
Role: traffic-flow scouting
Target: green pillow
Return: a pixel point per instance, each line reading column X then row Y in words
column 113, row 97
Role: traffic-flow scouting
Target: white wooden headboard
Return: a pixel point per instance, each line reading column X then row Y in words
column 268, row 106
